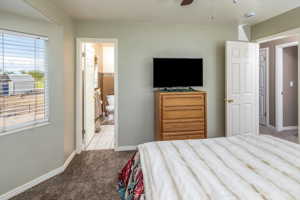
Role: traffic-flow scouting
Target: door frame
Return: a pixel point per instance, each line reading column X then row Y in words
column 79, row 93
column 279, row 85
column 280, row 35
column 267, row 91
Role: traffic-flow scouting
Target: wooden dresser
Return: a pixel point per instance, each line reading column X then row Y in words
column 180, row 115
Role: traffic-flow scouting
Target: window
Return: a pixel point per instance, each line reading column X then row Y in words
column 23, row 81
column 108, row 59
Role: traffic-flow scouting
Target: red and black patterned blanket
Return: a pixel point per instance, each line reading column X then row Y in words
column 131, row 183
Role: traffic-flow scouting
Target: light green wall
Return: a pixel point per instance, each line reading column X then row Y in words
column 29, row 154
column 138, row 44
column 58, row 16
column 281, row 23
column 69, row 89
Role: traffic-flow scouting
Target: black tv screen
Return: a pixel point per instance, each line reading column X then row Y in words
column 177, row 72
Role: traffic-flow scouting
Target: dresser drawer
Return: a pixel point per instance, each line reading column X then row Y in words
column 185, row 133
column 184, row 100
column 197, row 112
column 182, row 125
column 183, row 137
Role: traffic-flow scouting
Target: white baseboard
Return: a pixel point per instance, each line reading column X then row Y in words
column 26, row 186
column 286, row 128
column 31, row 184
column 126, row 148
column 69, row 159
column 80, row 149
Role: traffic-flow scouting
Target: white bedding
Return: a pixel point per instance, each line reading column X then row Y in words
column 240, row 167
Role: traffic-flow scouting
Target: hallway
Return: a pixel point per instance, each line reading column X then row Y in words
column 290, row 135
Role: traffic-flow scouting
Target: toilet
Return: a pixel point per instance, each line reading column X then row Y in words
column 111, row 106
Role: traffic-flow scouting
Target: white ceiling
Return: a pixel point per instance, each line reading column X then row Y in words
column 19, row 7
column 170, row 11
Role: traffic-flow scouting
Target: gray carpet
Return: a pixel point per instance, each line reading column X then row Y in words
column 92, row 175
column 290, row 135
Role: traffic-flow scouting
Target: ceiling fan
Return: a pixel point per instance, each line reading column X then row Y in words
column 186, row 2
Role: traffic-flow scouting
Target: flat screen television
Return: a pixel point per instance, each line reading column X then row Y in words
column 177, row 72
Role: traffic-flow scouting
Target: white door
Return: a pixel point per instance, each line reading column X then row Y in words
column 242, row 73
column 263, row 86
column 88, row 93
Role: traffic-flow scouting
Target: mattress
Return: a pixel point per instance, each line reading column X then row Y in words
column 239, row 167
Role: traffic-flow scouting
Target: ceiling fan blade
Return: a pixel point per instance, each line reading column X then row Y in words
column 186, row 2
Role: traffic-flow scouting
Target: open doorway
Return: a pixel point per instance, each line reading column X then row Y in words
column 278, row 88
column 96, row 94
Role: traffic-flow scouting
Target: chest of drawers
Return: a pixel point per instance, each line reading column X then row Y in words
column 180, row 115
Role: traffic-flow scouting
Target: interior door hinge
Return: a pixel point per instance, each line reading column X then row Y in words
column 83, row 54
column 83, row 132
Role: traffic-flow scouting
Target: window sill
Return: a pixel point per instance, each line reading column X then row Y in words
column 10, row 132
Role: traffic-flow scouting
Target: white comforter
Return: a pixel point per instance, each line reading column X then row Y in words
column 240, row 167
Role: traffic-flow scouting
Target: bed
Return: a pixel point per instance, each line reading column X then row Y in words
column 240, row 167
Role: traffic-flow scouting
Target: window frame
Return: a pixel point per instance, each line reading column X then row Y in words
column 36, row 123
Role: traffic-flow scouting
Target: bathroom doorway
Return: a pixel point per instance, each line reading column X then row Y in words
column 98, row 61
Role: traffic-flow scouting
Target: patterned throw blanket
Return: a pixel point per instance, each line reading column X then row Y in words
column 131, row 184
column 234, row 168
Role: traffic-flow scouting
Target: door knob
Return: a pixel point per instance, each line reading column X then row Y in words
column 229, row 100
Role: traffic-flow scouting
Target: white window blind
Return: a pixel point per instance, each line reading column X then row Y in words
column 23, row 81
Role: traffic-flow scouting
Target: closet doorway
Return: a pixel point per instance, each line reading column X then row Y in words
column 96, row 94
